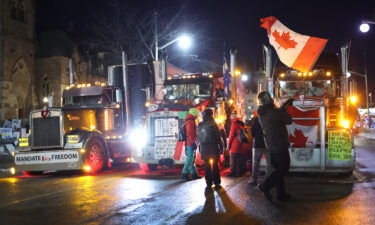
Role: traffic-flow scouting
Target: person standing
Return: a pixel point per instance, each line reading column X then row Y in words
column 189, row 171
column 211, row 147
column 273, row 121
column 236, row 147
column 259, row 149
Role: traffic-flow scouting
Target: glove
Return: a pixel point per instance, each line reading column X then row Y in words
column 288, row 102
column 221, row 151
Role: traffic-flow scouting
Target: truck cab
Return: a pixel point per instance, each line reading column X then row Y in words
column 158, row 142
column 86, row 133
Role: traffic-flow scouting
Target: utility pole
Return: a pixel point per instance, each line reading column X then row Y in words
column 156, row 37
column 126, row 91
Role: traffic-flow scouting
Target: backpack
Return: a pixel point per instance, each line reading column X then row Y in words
column 205, row 134
column 182, row 132
column 242, row 136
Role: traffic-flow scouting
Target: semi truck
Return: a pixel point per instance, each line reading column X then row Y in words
column 157, row 141
column 323, row 114
column 87, row 133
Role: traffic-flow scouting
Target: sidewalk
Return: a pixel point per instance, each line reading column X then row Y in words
column 367, row 133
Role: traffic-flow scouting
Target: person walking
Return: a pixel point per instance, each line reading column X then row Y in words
column 235, row 147
column 211, row 147
column 259, row 149
column 273, row 121
column 189, row 172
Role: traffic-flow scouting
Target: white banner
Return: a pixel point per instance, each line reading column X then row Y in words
column 165, row 147
column 46, row 157
column 166, row 127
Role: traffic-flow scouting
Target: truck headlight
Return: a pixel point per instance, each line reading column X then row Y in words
column 138, row 137
column 73, row 139
column 23, row 142
column 345, row 123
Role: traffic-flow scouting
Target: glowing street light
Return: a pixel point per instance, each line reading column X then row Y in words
column 244, row 77
column 365, row 26
column 184, row 42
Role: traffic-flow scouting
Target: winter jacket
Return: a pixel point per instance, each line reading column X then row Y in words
column 191, row 130
column 211, row 150
column 273, row 121
column 257, row 133
column 233, row 143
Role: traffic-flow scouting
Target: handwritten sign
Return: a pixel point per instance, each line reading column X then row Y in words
column 339, row 145
column 165, row 147
column 166, row 127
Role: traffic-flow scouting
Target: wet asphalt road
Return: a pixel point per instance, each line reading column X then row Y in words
column 129, row 196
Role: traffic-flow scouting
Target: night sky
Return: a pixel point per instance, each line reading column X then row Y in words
column 237, row 24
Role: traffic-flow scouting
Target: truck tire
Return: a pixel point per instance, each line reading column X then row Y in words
column 148, row 167
column 32, row 173
column 96, row 156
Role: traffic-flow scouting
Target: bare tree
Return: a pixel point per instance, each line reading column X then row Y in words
column 126, row 26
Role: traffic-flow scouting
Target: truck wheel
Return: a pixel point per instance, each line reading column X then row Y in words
column 32, row 173
column 148, row 167
column 95, row 155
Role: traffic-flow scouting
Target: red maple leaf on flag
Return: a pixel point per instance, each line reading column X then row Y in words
column 284, row 40
column 299, row 140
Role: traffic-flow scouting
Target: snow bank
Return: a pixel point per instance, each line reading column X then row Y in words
column 368, row 133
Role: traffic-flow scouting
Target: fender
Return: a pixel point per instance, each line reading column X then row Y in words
column 86, row 136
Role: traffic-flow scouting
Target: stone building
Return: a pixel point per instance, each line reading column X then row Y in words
column 35, row 66
column 17, row 59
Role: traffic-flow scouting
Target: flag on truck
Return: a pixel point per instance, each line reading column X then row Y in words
column 226, row 78
column 303, row 132
column 295, row 50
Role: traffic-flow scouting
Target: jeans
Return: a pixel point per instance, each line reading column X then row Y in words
column 189, row 166
column 257, row 156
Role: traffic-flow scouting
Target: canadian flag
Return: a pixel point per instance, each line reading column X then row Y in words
column 295, row 50
column 303, row 133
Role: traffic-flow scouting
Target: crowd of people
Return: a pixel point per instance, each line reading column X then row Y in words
column 264, row 135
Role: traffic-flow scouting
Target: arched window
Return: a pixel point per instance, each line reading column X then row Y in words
column 17, row 10
column 46, row 86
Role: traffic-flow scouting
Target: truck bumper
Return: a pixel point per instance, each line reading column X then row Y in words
column 52, row 160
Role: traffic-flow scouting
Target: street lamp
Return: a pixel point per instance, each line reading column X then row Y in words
column 366, row 89
column 244, row 77
column 184, row 42
column 365, row 27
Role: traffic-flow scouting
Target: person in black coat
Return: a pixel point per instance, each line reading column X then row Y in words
column 211, row 147
column 273, row 121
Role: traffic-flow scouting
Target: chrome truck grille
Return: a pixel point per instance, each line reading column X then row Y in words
column 46, row 130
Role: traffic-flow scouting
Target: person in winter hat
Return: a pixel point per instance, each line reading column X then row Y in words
column 189, row 171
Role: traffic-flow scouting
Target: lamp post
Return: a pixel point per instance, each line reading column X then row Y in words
column 183, row 41
column 364, row 28
column 366, row 89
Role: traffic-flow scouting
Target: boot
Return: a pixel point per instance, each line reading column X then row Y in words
column 185, row 177
column 265, row 193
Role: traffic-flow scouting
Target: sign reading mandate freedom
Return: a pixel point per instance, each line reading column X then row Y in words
column 339, row 145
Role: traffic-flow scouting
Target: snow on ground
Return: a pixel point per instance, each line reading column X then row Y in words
column 367, row 133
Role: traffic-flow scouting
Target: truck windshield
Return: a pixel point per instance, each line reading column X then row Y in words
column 307, row 88
column 95, row 100
column 187, row 91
